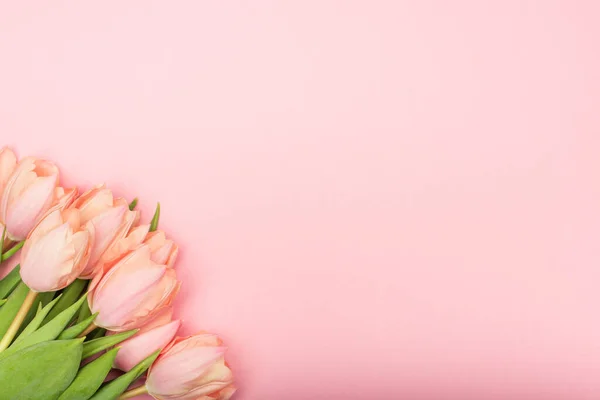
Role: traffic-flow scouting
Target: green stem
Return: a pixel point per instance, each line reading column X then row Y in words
column 16, row 323
column 87, row 330
column 12, row 251
column 2, row 243
column 134, row 392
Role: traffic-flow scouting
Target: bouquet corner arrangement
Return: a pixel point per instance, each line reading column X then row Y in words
column 88, row 311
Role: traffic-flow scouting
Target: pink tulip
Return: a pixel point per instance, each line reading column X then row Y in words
column 56, row 251
column 111, row 220
column 164, row 251
column 132, row 291
column 27, row 196
column 191, row 368
column 144, row 343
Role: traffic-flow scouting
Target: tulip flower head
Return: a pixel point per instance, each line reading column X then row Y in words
column 145, row 342
column 27, row 196
column 111, row 220
column 132, row 292
column 191, row 368
column 56, row 251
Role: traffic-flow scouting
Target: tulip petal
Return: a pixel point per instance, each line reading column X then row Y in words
column 160, row 317
column 106, row 226
column 33, row 202
column 94, row 202
column 52, row 220
column 47, row 260
column 64, row 198
column 8, row 163
column 179, row 373
column 133, row 240
column 142, row 345
column 116, row 301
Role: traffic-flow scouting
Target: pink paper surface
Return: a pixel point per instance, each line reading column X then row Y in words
column 374, row 199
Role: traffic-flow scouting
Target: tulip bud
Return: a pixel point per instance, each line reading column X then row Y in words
column 191, row 368
column 27, row 196
column 111, row 220
column 56, row 251
column 144, row 343
column 132, row 291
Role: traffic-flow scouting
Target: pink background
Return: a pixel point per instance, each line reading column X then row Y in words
column 375, row 199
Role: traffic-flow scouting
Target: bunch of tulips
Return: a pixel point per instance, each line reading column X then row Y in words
column 87, row 314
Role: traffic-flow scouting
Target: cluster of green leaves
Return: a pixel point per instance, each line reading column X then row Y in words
column 44, row 361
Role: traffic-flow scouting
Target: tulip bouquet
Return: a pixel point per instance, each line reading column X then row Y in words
column 88, row 312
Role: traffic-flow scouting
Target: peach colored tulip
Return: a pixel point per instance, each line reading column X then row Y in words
column 111, row 220
column 164, row 251
column 56, row 251
column 191, row 368
column 145, row 342
column 27, row 196
column 132, row 291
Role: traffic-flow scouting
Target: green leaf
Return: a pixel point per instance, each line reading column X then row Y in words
column 42, row 299
column 133, row 204
column 97, row 345
column 69, row 296
column 10, row 309
column 155, row 218
column 115, row 388
column 8, row 283
column 2, row 302
column 40, row 372
column 84, row 312
column 37, row 320
column 90, row 377
column 76, row 330
column 50, row 331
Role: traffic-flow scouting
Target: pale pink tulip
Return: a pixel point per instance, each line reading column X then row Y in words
column 111, row 220
column 56, row 251
column 164, row 251
column 144, row 343
column 132, row 291
column 28, row 195
column 191, row 368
